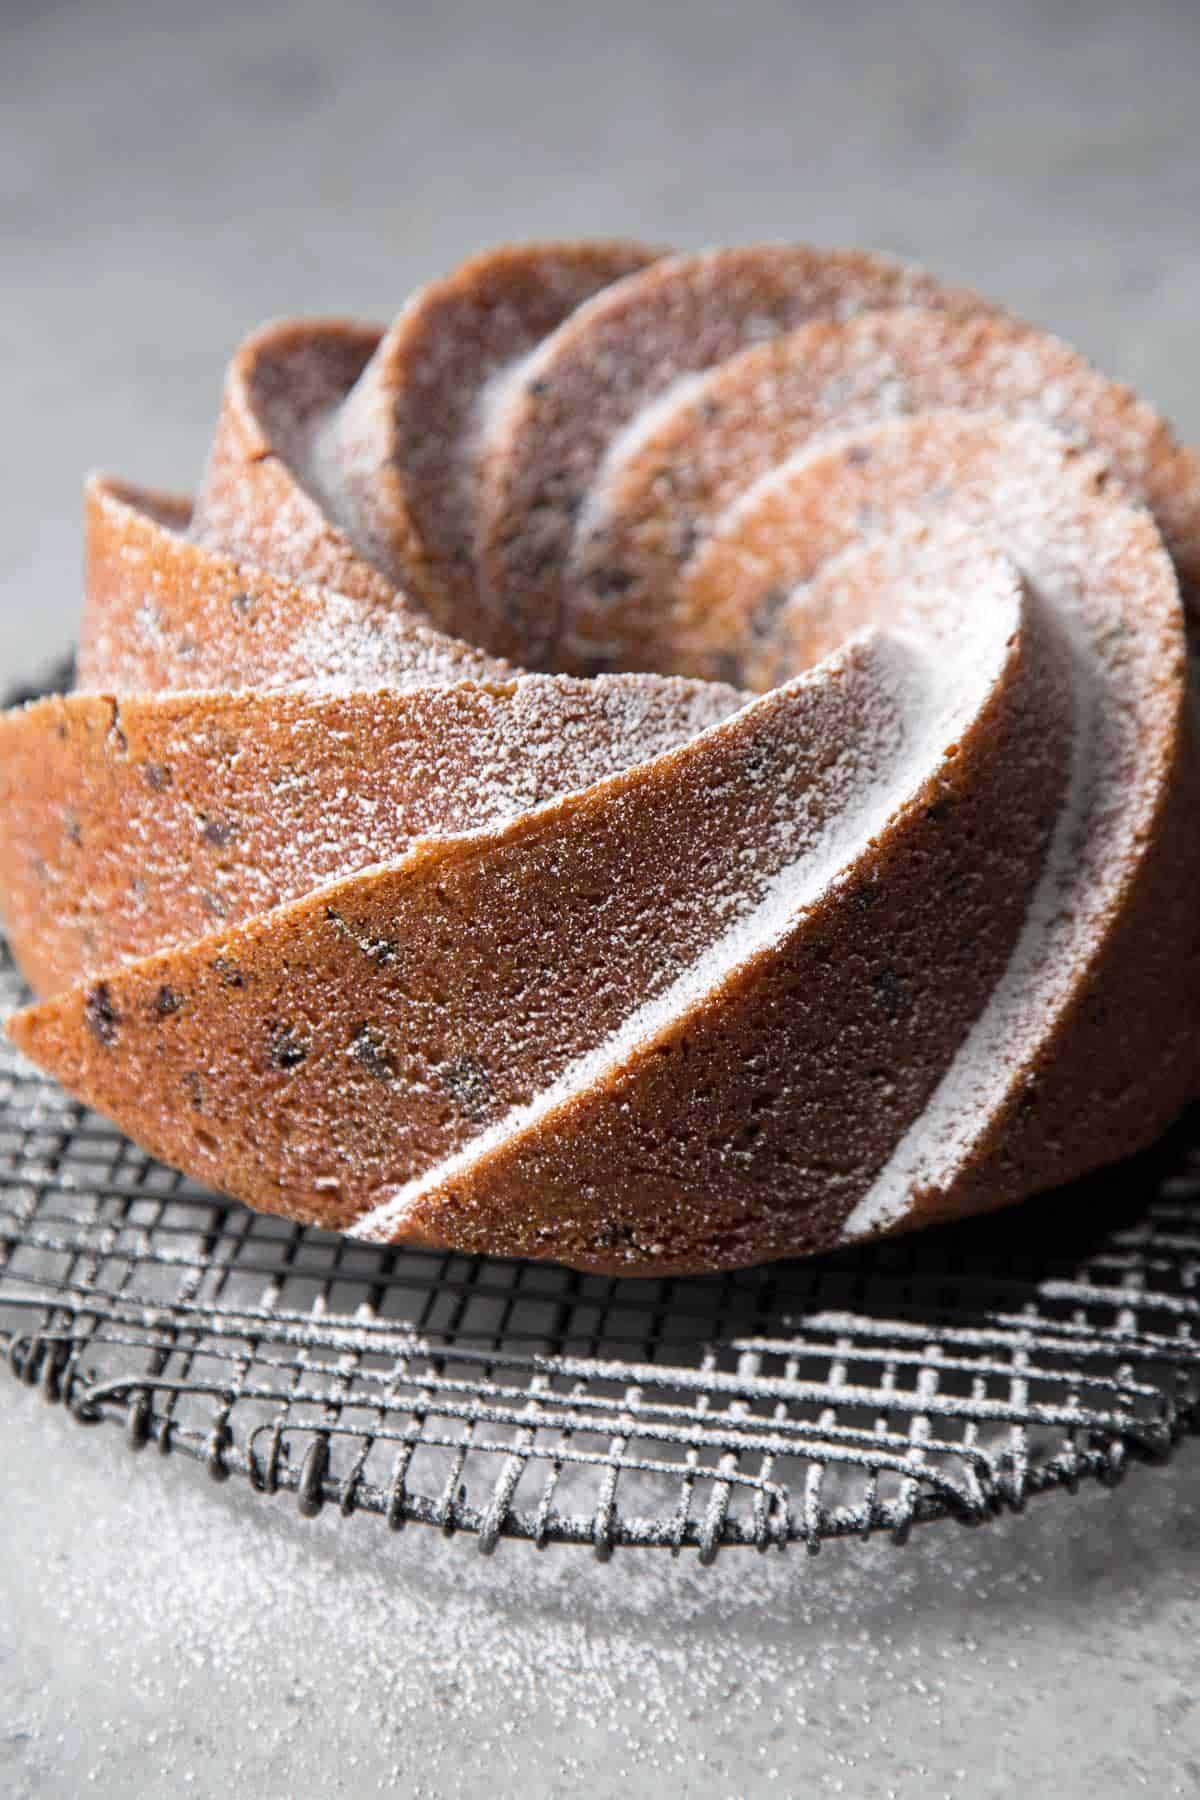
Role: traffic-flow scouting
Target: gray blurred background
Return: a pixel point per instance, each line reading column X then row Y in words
column 169, row 177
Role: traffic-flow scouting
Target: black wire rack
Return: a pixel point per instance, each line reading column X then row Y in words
column 945, row 1375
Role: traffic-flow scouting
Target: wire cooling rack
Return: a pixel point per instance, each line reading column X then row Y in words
column 945, row 1375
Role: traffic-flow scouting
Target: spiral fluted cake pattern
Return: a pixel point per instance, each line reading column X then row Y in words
column 653, row 762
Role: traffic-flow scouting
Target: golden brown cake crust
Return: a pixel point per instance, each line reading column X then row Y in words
column 858, row 893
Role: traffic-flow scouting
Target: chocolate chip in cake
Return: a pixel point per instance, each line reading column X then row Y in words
column 101, row 1014
column 369, row 1047
column 893, row 991
column 228, row 972
column 611, row 581
column 469, row 1086
column 286, row 1050
column 379, row 949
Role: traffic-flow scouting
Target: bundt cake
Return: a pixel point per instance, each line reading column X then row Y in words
column 655, row 762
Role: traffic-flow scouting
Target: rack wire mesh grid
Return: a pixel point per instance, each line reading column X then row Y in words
column 946, row 1375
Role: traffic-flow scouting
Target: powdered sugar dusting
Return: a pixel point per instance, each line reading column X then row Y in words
column 497, row 399
column 242, row 1646
column 623, row 447
column 870, row 791
column 587, row 464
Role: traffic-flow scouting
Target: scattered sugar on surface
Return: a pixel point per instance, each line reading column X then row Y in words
column 163, row 1635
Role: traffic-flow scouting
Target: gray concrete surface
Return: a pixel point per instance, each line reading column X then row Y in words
column 164, row 1636
column 171, row 175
